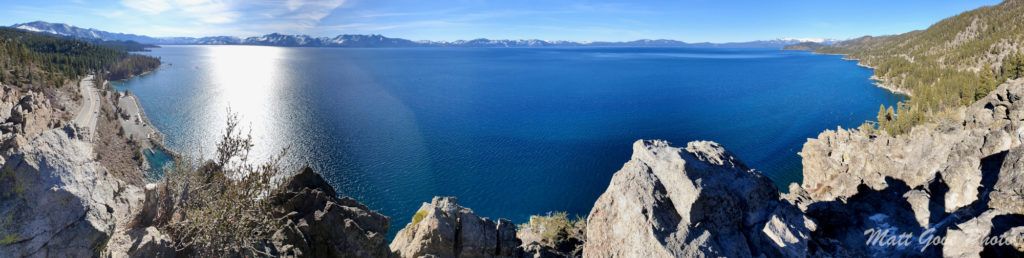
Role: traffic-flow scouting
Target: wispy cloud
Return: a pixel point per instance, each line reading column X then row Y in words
column 289, row 16
column 147, row 6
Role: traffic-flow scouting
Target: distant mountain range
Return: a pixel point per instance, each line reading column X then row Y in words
column 373, row 40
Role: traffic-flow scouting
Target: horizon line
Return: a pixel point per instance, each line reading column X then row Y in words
column 801, row 39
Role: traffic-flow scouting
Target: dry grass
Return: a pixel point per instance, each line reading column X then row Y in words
column 115, row 152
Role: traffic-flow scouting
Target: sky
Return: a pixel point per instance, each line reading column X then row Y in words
column 589, row 20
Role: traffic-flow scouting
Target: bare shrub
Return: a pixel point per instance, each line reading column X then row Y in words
column 221, row 207
column 556, row 230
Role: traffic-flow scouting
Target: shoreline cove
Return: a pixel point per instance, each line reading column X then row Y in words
column 877, row 81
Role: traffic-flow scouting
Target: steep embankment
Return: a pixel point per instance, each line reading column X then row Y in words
column 950, row 64
column 58, row 201
column 58, row 196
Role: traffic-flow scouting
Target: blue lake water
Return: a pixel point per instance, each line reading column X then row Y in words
column 158, row 161
column 510, row 132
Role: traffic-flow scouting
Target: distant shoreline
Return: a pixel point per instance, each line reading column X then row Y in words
column 877, row 81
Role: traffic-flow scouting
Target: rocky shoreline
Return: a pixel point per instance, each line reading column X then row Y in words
column 881, row 82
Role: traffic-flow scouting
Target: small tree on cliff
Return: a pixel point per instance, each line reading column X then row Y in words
column 222, row 207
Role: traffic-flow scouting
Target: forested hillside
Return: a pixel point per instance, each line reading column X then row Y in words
column 38, row 61
column 952, row 63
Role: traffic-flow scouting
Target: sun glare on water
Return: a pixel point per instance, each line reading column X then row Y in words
column 247, row 80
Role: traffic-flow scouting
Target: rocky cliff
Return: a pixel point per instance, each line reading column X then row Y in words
column 23, row 116
column 960, row 176
column 442, row 228
column 694, row 201
column 59, row 202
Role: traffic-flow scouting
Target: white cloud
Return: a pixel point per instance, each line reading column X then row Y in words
column 311, row 11
column 148, row 6
column 293, row 5
column 207, row 11
column 191, row 2
column 286, row 16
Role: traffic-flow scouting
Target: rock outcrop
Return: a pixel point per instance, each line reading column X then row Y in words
column 319, row 224
column 442, row 228
column 23, row 116
column 694, row 201
column 960, row 176
column 57, row 201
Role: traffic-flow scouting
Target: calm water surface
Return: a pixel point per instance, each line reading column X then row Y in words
column 510, row 132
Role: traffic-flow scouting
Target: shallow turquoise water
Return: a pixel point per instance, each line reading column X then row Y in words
column 158, row 160
column 511, row 132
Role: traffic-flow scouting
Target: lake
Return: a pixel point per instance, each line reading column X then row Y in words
column 511, row 132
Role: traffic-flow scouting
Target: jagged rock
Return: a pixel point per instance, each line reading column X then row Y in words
column 789, row 230
column 838, row 161
column 5, row 110
column 697, row 201
column 477, row 236
column 319, row 224
column 965, row 239
column 433, row 234
column 955, row 176
column 1018, row 234
column 23, row 116
column 920, row 203
column 507, row 240
column 442, row 228
column 57, row 201
column 1008, row 193
column 797, row 196
column 139, row 242
column 537, row 250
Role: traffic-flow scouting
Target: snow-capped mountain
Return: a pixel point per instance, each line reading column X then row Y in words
column 64, row 30
column 374, row 40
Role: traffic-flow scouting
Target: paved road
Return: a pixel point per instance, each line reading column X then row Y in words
column 90, row 110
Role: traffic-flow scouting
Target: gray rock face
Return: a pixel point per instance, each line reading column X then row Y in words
column 322, row 225
column 140, row 242
column 960, row 176
column 23, row 116
column 442, row 228
column 57, row 201
column 1008, row 193
column 697, row 201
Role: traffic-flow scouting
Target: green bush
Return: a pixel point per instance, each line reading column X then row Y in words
column 418, row 217
column 556, row 230
column 9, row 239
column 1013, row 67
